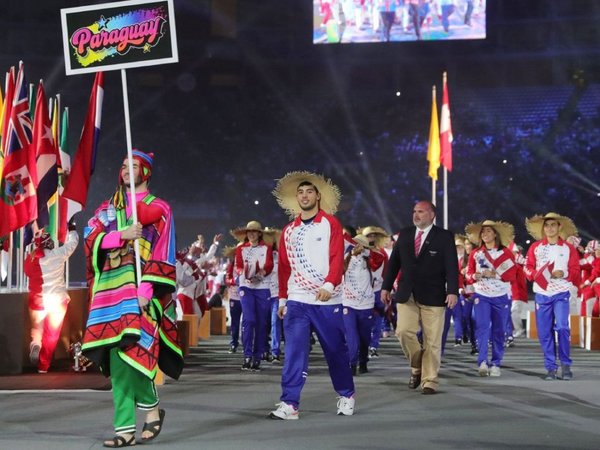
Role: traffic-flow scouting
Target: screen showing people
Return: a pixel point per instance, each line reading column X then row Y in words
column 357, row 21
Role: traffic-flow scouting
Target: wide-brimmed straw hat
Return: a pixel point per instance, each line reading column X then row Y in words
column 380, row 234
column 285, row 192
column 362, row 240
column 535, row 225
column 229, row 251
column 241, row 232
column 459, row 239
column 504, row 230
column 271, row 235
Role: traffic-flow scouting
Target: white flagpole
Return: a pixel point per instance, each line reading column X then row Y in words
column 136, row 244
column 445, row 198
column 433, row 196
column 9, row 280
column 20, row 273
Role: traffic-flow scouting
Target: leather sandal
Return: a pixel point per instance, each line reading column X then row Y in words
column 154, row 427
column 120, row 441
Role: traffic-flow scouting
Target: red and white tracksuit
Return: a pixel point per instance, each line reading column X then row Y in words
column 48, row 296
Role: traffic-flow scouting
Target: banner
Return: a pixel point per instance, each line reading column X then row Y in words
column 118, row 35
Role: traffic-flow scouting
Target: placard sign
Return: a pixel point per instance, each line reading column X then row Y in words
column 118, row 35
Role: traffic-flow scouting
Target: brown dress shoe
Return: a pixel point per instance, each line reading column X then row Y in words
column 415, row 381
column 428, row 391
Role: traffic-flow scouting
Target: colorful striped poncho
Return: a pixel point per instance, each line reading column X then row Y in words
column 147, row 337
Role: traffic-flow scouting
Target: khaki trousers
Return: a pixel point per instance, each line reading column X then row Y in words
column 425, row 359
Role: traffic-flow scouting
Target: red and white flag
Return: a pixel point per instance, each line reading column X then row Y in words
column 18, row 201
column 76, row 189
column 446, row 130
column 543, row 275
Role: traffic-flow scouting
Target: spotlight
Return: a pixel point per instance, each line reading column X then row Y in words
column 398, row 93
column 256, row 202
column 504, row 161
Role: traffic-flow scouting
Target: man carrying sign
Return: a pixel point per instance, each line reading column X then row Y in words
column 553, row 267
column 131, row 325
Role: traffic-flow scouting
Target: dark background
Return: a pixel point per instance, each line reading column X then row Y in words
column 252, row 98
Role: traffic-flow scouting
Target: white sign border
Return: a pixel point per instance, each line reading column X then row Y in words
column 100, row 68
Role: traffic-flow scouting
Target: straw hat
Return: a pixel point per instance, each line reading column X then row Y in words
column 459, row 239
column 362, row 240
column 535, row 225
column 380, row 234
column 285, row 192
column 240, row 233
column 229, row 251
column 504, row 230
column 271, row 235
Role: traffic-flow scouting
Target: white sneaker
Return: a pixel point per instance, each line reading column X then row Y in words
column 345, row 406
column 284, row 412
column 495, row 371
column 483, row 369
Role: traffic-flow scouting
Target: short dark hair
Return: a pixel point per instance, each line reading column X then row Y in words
column 308, row 183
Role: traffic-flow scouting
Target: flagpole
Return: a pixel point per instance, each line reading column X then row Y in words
column 136, row 243
column 10, row 261
column 445, row 198
column 21, row 259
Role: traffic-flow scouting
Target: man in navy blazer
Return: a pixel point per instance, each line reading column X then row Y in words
column 426, row 256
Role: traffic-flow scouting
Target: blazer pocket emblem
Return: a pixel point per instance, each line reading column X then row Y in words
column 433, row 252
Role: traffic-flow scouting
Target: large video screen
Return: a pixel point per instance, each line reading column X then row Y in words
column 357, row 21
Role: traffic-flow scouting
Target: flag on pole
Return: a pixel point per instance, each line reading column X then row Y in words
column 76, row 189
column 46, row 153
column 9, row 89
column 65, row 154
column 18, row 201
column 446, row 129
column 1, row 120
column 433, row 150
column 65, row 159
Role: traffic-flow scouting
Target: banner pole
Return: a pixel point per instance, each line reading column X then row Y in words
column 136, row 244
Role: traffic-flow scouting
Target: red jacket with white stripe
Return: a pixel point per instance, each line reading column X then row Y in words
column 47, row 273
column 311, row 257
column 563, row 256
column 250, row 260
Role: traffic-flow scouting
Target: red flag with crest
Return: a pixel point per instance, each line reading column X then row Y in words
column 18, row 201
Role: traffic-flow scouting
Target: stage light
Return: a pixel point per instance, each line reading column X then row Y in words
column 256, row 202
column 504, row 161
column 398, row 93
column 528, row 242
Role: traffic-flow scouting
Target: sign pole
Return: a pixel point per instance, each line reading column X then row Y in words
column 136, row 243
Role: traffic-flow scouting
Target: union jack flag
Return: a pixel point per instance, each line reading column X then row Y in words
column 18, row 201
column 19, row 131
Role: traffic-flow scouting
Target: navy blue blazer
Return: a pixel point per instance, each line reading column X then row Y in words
column 428, row 277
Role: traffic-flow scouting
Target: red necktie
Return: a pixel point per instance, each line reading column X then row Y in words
column 418, row 242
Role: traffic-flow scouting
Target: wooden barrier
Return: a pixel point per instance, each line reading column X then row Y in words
column 192, row 320
column 531, row 326
column 574, row 325
column 204, row 330
column 218, row 321
column 183, row 333
column 592, row 333
column 159, row 379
